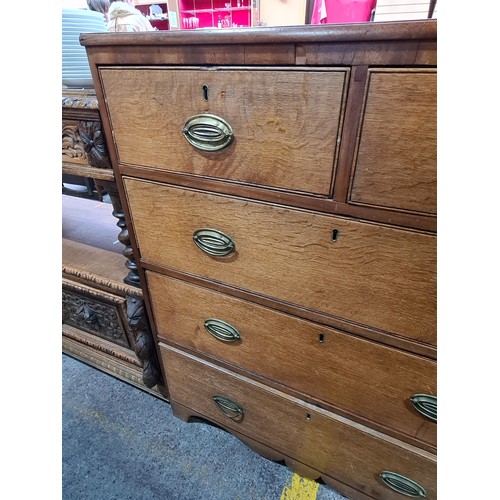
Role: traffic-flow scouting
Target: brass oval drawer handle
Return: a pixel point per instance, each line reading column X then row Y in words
column 208, row 132
column 426, row 405
column 221, row 330
column 213, row 242
column 402, row 484
column 228, row 407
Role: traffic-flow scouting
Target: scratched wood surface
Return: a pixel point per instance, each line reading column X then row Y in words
column 285, row 122
column 373, row 275
column 333, row 445
column 365, row 378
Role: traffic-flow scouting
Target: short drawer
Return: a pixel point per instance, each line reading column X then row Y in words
column 372, row 275
column 396, row 161
column 284, row 123
column 362, row 377
column 326, row 442
column 95, row 311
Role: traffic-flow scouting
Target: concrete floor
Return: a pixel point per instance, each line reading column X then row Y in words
column 121, row 443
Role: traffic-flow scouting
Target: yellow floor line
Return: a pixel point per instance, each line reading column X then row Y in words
column 299, row 488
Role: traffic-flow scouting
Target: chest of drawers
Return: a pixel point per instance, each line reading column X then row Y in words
column 280, row 188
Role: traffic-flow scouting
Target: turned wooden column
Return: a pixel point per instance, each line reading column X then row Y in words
column 136, row 311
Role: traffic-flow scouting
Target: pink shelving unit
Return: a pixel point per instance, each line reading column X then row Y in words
column 196, row 14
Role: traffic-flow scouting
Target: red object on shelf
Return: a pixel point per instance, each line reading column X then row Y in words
column 342, row 11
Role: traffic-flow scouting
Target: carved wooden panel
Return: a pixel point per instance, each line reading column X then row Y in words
column 73, row 149
column 83, row 142
column 95, row 316
column 82, row 137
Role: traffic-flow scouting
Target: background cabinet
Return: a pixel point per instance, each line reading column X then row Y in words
column 157, row 16
column 218, row 13
column 103, row 317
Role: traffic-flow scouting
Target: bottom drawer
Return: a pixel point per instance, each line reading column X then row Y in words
column 331, row 444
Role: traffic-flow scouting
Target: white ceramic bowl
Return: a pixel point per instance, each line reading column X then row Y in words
column 67, row 52
column 69, row 68
column 71, row 39
column 76, row 76
column 71, row 30
column 76, row 69
column 78, row 82
column 83, row 22
column 75, row 59
column 75, row 65
column 81, row 13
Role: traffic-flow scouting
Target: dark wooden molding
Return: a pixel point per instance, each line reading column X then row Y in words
column 353, row 32
column 432, row 6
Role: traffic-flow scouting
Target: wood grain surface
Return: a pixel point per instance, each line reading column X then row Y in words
column 362, row 377
column 328, row 192
column 285, row 122
column 331, row 444
column 372, row 275
column 396, row 164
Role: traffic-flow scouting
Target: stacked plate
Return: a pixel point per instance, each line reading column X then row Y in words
column 75, row 65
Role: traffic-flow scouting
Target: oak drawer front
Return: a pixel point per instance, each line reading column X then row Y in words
column 396, row 162
column 372, row 275
column 285, row 122
column 324, row 441
column 362, row 377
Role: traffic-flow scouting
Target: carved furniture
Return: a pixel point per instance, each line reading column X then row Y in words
column 279, row 185
column 104, row 320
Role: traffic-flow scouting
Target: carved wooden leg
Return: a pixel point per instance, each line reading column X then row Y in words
column 144, row 343
column 123, row 237
column 136, row 312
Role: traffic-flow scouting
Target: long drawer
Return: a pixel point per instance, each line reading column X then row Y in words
column 371, row 275
column 362, row 377
column 276, row 128
column 326, row 442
